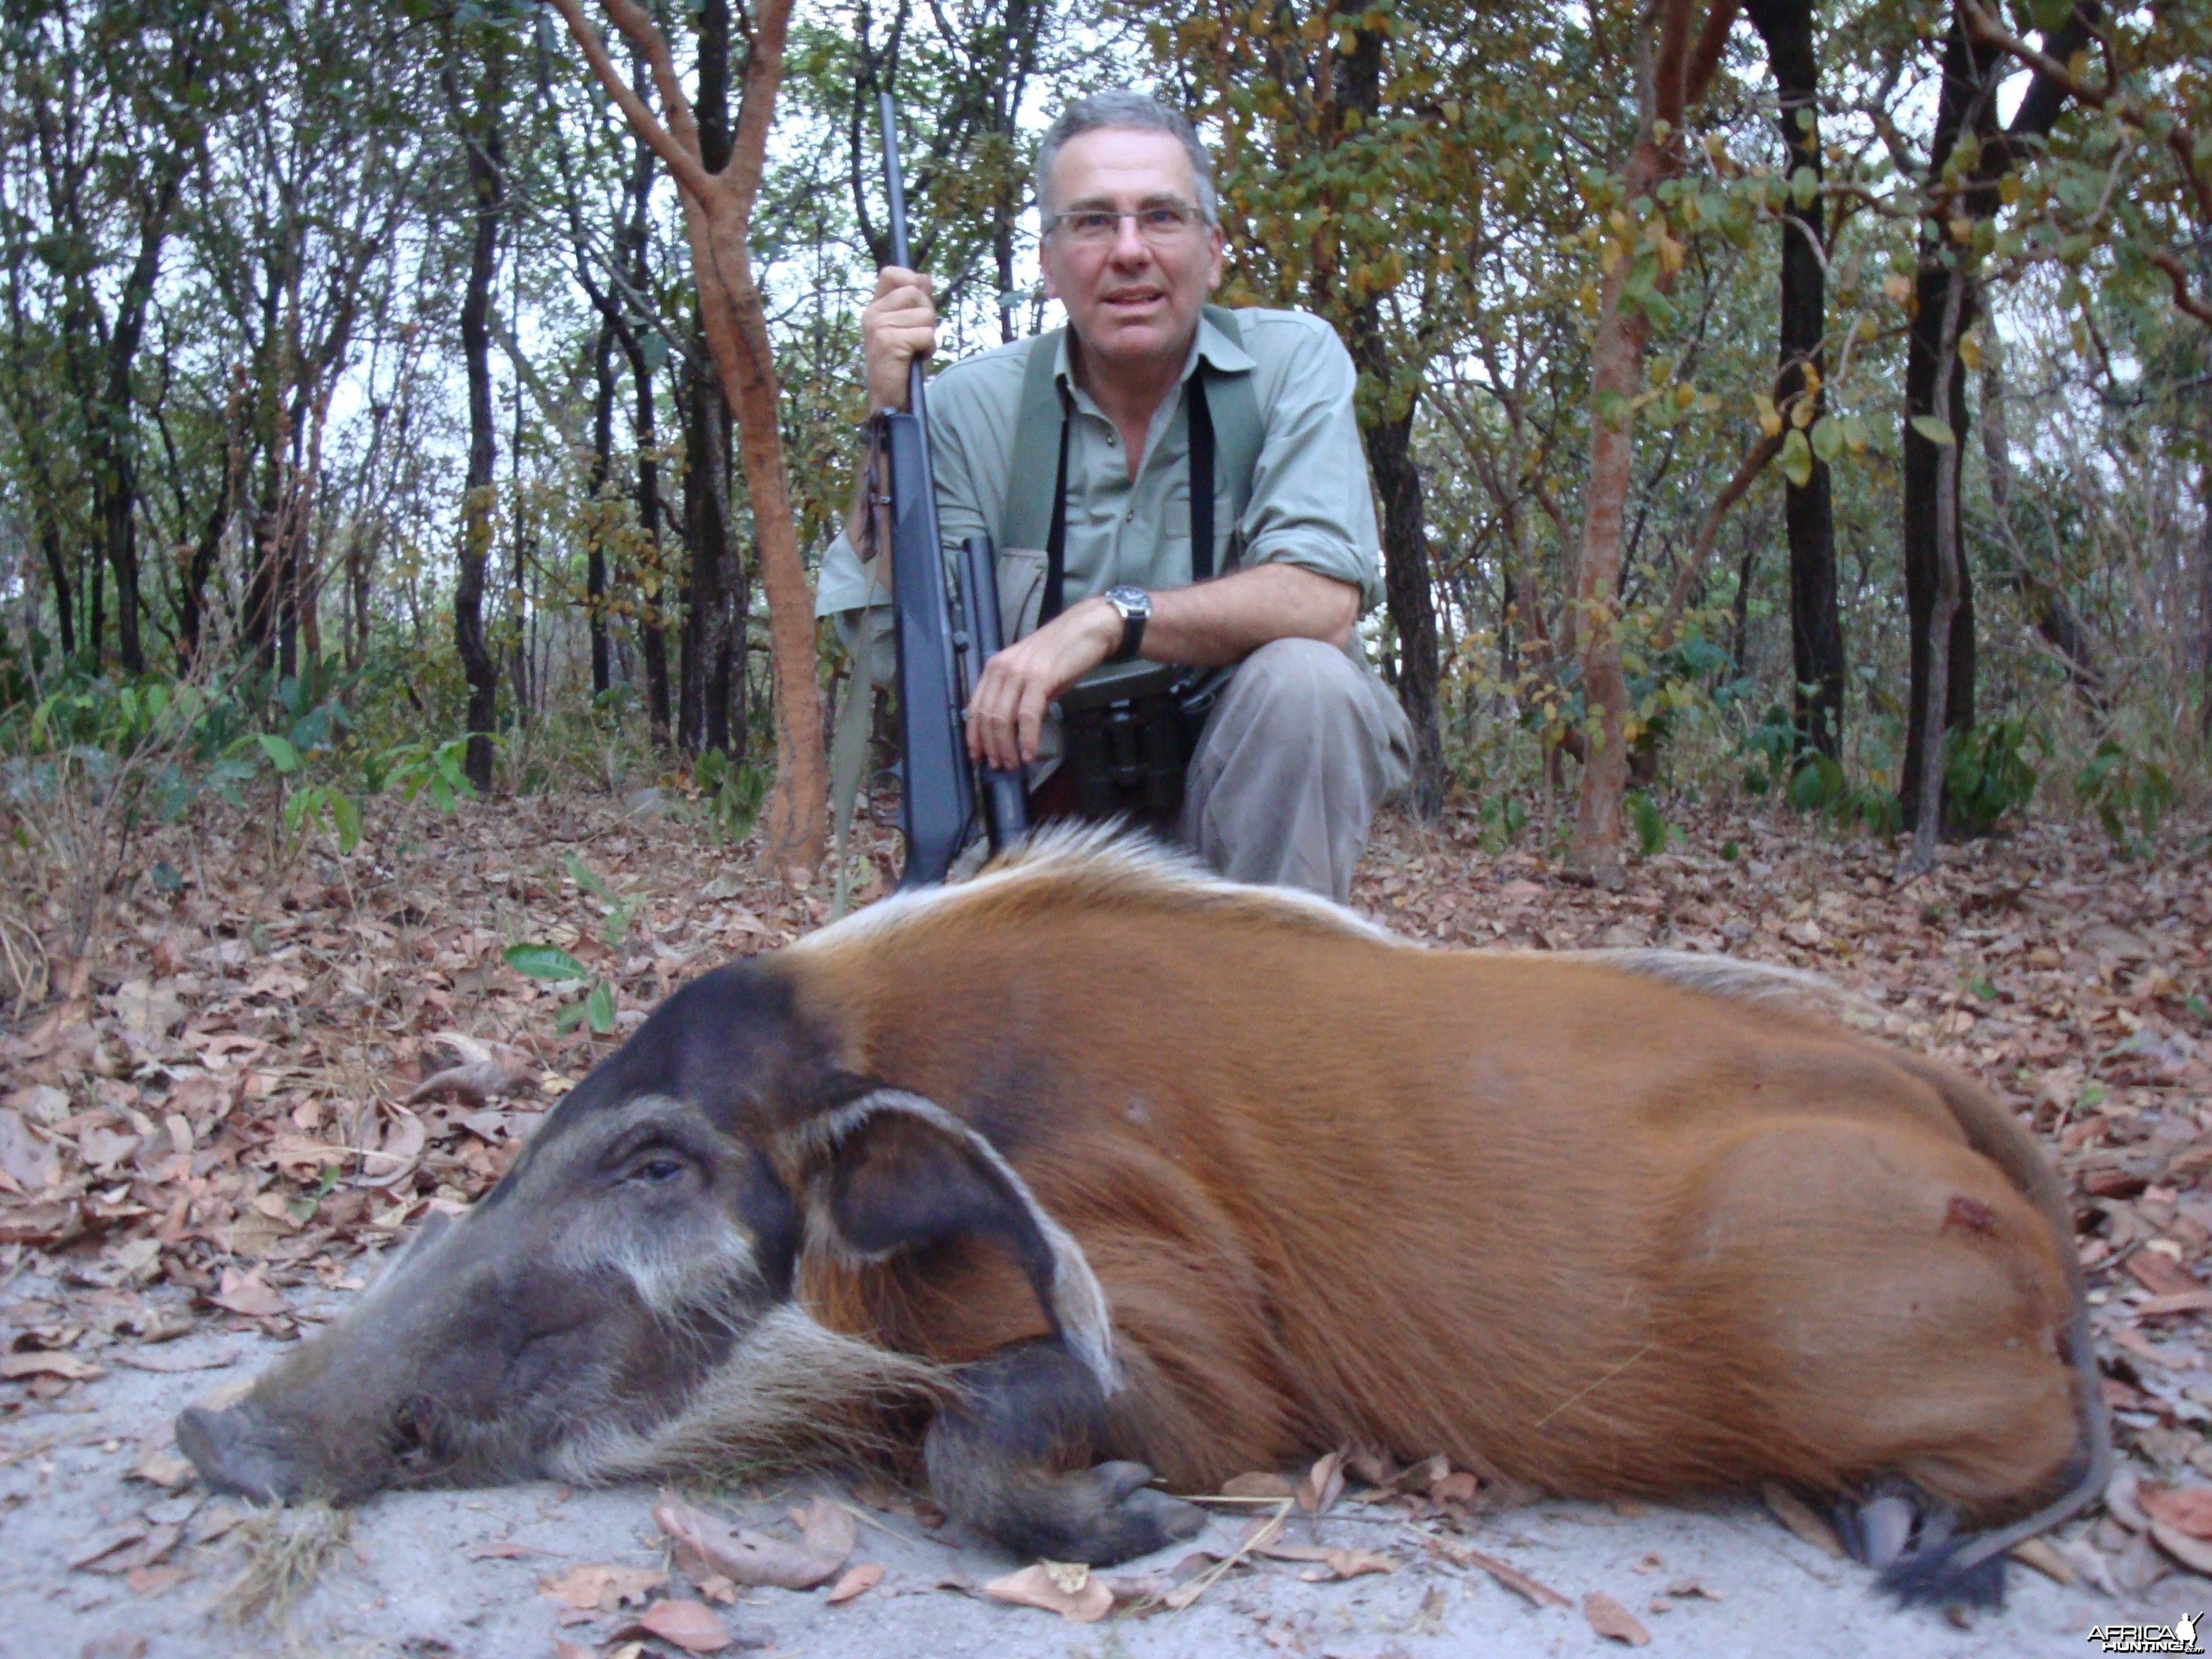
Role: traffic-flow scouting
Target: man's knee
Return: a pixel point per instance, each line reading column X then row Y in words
column 1304, row 687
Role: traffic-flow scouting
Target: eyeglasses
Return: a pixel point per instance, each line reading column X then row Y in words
column 1161, row 222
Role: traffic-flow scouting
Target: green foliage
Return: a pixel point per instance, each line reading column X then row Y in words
column 729, row 796
column 1986, row 774
column 595, row 1008
column 1651, row 830
column 423, row 766
column 2117, row 785
column 619, row 910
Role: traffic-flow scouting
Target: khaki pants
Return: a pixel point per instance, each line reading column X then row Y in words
column 1301, row 748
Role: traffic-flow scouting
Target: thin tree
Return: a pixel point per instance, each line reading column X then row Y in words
column 1675, row 67
column 718, row 206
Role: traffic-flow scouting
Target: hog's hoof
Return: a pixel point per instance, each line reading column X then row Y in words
column 1101, row 1515
column 1914, row 1544
column 1876, row 1526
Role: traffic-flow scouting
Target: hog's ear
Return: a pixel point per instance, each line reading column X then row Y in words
column 896, row 1172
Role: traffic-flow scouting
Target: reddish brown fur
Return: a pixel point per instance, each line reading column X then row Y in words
column 1562, row 1222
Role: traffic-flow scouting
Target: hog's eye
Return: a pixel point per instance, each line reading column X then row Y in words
column 658, row 1169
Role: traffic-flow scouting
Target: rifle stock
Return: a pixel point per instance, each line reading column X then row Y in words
column 940, row 657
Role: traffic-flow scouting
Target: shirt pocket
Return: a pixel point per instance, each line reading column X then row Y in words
column 1021, row 590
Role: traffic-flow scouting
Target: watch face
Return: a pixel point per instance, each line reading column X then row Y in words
column 1130, row 601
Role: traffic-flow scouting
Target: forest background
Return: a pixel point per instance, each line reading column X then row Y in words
column 388, row 413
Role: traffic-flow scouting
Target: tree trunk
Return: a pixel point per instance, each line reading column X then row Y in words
column 1407, row 585
column 653, row 577
column 1816, row 633
column 703, row 720
column 1965, row 102
column 486, row 173
column 595, row 549
column 2046, row 602
column 518, row 652
column 1616, row 376
column 1672, row 76
column 1949, row 591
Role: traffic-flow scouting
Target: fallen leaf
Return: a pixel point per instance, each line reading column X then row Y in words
column 599, row 1589
column 1611, row 1619
column 691, row 1625
column 146, row 1009
column 1323, row 1484
column 1792, row 1512
column 1352, row 1564
column 2193, row 1553
column 1037, row 1586
column 106, row 1542
column 2038, row 1553
column 858, row 1581
column 249, row 1294
column 704, row 1545
column 15, row 1366
column 1458, row 1487
column 1258, row 1485
column 25, row 1159
column 1683, row 1588
column 152, row 1581
column 2186, row 1509
column 499, row 1549
column 161, row 1468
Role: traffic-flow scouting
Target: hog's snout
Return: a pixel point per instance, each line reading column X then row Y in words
column 235, row 1453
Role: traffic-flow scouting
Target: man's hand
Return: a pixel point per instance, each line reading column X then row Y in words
column 1007, row 711
column 898, row 325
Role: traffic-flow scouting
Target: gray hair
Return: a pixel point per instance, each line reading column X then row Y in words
column 1119, row 109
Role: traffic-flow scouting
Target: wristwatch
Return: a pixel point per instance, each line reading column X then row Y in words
column 1136, row 606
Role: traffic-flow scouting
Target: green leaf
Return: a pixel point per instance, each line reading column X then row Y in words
column 565, row 1021
column 543, row 962
column 1936, row 432
column 1828, row 438
column 1797, row 459
column 282, row 755
column 599, row 1008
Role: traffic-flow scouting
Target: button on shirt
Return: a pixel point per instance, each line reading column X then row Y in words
column 1310, row 504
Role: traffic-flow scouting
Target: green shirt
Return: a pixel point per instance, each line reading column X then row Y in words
column 1309, row 506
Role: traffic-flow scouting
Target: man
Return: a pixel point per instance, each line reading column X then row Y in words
column 1303, row 742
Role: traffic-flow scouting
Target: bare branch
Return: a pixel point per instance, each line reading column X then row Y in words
column 1709, row 530
column 684, row 164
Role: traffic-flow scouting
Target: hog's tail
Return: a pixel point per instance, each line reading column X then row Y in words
column 1970, row 1567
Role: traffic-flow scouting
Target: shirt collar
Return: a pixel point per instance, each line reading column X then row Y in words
column 1222, row 355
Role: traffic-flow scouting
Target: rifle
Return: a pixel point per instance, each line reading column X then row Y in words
column 944, row 632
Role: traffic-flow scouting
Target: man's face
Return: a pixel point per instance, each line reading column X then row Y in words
column 1134, row 298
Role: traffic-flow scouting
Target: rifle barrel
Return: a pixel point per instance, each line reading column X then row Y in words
column 894, row 188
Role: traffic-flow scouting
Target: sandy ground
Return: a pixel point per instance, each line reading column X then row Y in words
column 457, row 1573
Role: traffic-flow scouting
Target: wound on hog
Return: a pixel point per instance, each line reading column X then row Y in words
column 1972, row 1214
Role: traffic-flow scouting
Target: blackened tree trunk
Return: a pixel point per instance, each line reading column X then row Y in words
column 703, row 714
column 1408, row 592
column 652, row 643
column 480, row 146
column 703, row 721
column 1816, row 635
column 1966, row 104
column 595, row 551
column 518, row 651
